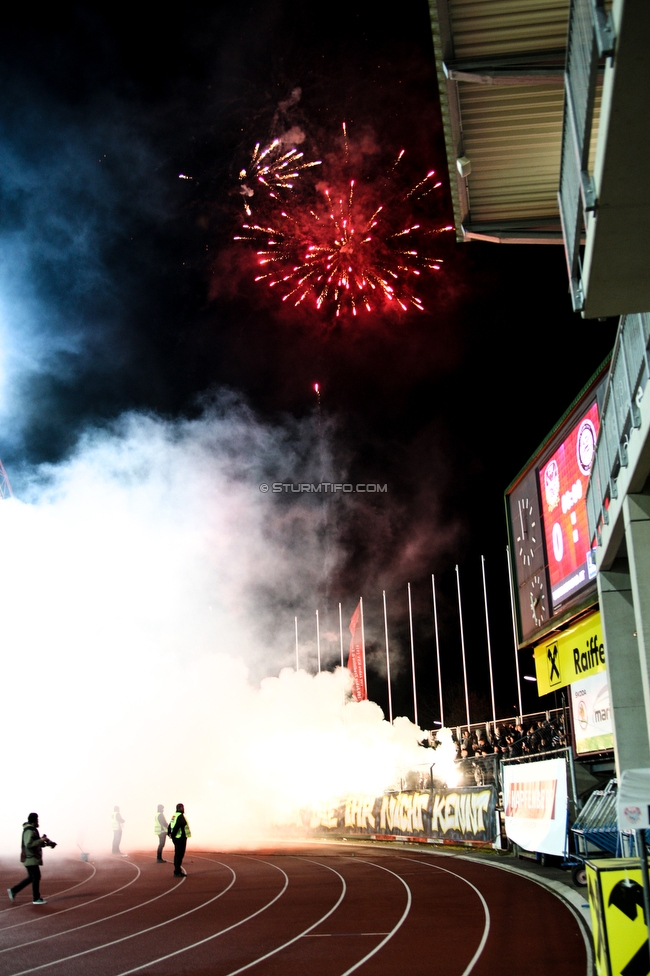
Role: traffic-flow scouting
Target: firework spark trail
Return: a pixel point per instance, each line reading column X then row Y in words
column 333, row 253
column 273, row 168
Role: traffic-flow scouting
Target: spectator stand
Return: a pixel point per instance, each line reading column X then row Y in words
column 481, row 747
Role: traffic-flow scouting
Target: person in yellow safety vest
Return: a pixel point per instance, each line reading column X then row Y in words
column 117, row 822
column 179, row 831
column 160, row 829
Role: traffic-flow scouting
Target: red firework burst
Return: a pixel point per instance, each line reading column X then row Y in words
column 352, row 245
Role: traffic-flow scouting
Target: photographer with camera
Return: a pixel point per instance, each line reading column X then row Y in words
column 31, row 856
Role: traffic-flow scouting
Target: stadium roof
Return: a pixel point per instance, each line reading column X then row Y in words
column 500, row 66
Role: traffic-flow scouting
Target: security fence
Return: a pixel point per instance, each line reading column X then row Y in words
column 628, row 376
column 591, row 38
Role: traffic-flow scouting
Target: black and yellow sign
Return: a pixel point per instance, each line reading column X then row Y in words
column 618, row 919
column 575, row 653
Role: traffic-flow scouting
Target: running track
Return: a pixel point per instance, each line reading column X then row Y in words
column 310, row 910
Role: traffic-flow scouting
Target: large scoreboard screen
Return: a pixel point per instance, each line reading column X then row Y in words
column 553, row 564
column 563, row 481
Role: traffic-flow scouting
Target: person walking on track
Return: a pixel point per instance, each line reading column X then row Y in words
column 31, row 855
column 160, row 829
column 117, row 821
column 179, row 831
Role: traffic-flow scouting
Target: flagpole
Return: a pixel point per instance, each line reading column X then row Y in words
column 341, row 634
column 435, row 621
column 295, row 620
column 514, row 631
column 390, row 696
column 415, row 694
column 363, row 646
column 318, row 639
column 462, row 646
column 489, row 645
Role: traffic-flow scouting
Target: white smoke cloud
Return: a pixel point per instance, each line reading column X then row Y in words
column 146, row 582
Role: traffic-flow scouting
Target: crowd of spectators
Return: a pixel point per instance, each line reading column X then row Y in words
column 511, row 740
column 480, row 749
column 508, row 740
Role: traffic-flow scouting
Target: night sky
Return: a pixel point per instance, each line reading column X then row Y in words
column 121, row 289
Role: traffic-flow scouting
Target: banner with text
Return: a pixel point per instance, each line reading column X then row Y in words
column 535, row 801
column 465, row 815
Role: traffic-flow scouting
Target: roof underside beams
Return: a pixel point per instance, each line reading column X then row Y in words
column 500, row 72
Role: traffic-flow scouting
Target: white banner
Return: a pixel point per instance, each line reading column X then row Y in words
column 535, row 801
column 633, row 800
column 592, row 717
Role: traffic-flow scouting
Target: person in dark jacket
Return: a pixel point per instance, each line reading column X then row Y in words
column 31, row 855
column 160, row 829
column 179, row 831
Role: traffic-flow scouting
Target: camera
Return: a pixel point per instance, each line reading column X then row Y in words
column 47, row 842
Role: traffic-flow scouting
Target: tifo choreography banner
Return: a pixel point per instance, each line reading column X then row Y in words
column 462, row 815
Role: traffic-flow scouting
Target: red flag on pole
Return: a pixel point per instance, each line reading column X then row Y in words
column 356, row 657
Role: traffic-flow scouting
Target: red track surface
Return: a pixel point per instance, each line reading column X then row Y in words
column 317, row 910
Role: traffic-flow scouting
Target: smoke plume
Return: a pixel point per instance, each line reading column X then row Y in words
column 147, row 585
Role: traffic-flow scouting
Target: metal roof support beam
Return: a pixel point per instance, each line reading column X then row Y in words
column 506, row 76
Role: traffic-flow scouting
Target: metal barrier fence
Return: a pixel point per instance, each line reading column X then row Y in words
column 591, row 38
column 628, row 376
column 477, row 771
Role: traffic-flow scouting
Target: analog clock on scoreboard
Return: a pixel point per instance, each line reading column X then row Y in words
column 537, row 596
column 526, row 534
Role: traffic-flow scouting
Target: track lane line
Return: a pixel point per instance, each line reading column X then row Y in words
column 55, row 895
column 97, row 921
column 582, row 925
column 74, row 908
column 486, row 928
column 151, row 928
column 396, row 927
column 343, row 935
column 327, row 914
column 267, row 955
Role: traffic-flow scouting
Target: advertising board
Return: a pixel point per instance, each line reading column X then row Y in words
column 563, row 480
column 633, row 799
column 592, row 719
column 535, row 801
column 617, row 918
column 570, row 656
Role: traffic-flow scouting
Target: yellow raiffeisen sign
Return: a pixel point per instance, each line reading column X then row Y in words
column 575, row 653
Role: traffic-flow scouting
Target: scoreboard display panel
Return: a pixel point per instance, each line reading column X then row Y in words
column 553, row 564
column 563, row 481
